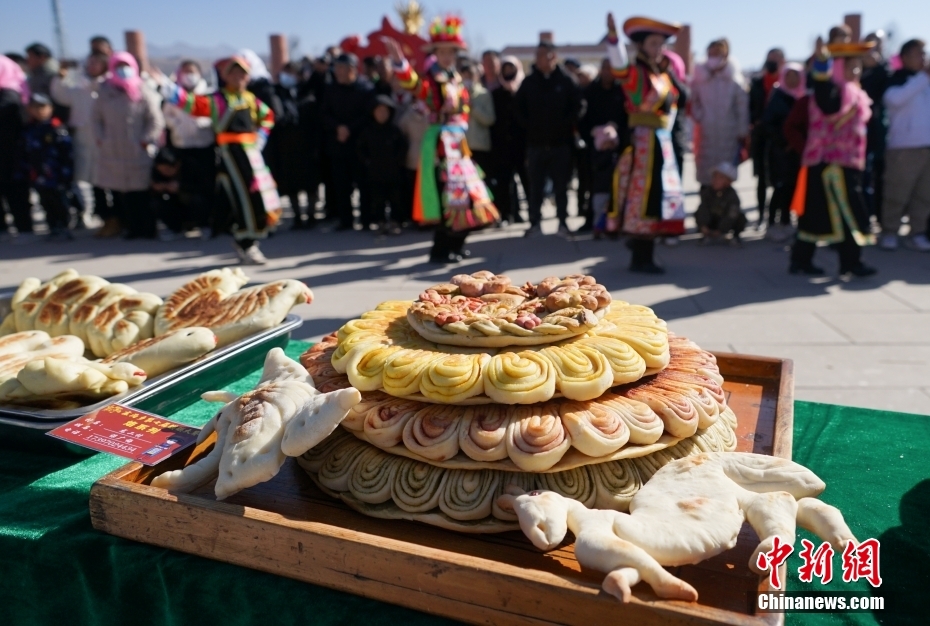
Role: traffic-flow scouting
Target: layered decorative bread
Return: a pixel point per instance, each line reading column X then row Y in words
column 484, row 310
column 382, row 351
column 444, row 426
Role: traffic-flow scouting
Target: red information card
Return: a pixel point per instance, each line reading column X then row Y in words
column 129, row 433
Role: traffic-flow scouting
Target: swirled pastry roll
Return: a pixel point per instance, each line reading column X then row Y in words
column 319, row 363
column 727, row 415
column 332, row 384
column 523, row 480
column 372, row 476
column 595, row 429
column 389, row 310
column 676, row 411
column 355, row 418
column 707, row 440
column 536, row 439
column 712, row 388
column 615, row 484
column 365, row 365
column 356, row 326
column 483, row 432
column 337, row 466
column 625, row 363
column 576, row 484
column 523, row 377
column 417, row 486
column 581, row 372
column 468, row 494
column 686, row 447
column 384, row 424
column 433, row 432
column 645, row 425
column 727, row 435
column 454, row 377
column 649, row 343
column 341, row 355
column 707, row 409
column 404, row 371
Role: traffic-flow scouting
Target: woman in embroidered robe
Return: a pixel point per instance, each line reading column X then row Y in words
column 449, row 190
column 246, row 194
column 829, row 129
column 648, row 199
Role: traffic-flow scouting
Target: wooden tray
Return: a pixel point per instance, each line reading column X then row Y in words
column 288, row 527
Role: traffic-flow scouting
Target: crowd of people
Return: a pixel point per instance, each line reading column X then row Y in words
column 841, row 140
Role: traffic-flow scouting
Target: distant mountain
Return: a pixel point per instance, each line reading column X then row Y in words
column 180, row 49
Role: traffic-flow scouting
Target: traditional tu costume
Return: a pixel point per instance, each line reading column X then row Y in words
column 648, row 199
column 245, row 187
column 832, row 125
column 449, row 188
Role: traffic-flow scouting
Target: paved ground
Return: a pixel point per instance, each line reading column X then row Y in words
column 864, row 343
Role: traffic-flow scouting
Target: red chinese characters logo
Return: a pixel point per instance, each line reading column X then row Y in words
column 862, row 561
column 817, row 562
column 773, row 559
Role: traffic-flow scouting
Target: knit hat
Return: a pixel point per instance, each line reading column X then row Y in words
column 728, row 170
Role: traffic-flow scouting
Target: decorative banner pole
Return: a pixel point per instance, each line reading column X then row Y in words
column 279, row 54
column 682, row 46
column 854, row 21
column 135, row 45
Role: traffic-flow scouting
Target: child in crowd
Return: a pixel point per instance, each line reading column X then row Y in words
column 719, row 213
column 166, row 185
column 603, row 163
column 47, row 164
column 382, row 151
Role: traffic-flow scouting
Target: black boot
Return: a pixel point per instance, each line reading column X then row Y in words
column 641, row 261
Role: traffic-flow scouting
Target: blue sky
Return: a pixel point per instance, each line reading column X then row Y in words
column 751, row 26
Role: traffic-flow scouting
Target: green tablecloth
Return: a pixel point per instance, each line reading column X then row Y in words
column 55, row 568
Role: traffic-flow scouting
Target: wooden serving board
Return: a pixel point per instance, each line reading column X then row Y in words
column 288, row 527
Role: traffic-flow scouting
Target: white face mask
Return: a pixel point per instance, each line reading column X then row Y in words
column 189, row 80
column 125, row 72
column 715, row 63
column 287, row 80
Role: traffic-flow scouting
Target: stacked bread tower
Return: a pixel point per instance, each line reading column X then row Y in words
column 480, row 383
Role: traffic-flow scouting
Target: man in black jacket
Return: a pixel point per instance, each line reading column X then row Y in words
column 346, row 110
column 548, row 105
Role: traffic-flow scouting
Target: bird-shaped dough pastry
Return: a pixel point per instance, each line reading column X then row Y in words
column 691, row 510
column 284, row 415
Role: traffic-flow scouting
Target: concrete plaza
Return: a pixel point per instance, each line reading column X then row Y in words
column 863, row 343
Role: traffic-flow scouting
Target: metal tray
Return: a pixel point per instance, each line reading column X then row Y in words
column 46, row 419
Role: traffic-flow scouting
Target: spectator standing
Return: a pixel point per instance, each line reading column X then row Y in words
column 875, row 75
column 14, row 189
column 166, row 194
column 43, row 67
column 907, row 176
column 101, row 45
column 719, row 104
column 649, row 200
column 47, row 164
column 783, row 161
column 194, row 143
column 480, row 120
column 346, row 111
column 127, row 124
column 828, row 128
column 548, row 106
column 412, row 117
column 449, row 192
column 78, row 91
column 288, row 151
column 382, row 151
column 247, row 200
column 605, row 106
column 509, row 141
column 491, row 63
column 760, row 91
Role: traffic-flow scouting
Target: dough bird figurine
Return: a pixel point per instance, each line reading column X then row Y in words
column 690, row 510
column 284, row 415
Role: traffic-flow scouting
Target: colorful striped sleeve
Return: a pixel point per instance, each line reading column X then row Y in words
column 198, row 106
column 406, row 76
column 822, row 68
column 265, row 118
